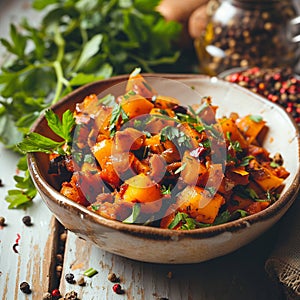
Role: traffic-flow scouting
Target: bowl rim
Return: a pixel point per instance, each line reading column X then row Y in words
column 50, row 192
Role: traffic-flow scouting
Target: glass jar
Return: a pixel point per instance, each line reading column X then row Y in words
column 247, row 33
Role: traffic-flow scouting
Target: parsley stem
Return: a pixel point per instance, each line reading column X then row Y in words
column 61, row 81
column 60, row 43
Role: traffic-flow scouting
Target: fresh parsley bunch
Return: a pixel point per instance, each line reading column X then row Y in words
column 78, row 41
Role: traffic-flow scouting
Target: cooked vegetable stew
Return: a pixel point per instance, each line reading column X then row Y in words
column 144, row 158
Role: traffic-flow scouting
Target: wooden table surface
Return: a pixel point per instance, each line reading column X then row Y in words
column 239, row 275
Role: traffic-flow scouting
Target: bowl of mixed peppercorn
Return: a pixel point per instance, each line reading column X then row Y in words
column 209, row 167
column 278, row 85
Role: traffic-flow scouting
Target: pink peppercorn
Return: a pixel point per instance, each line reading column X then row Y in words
column 279, row 85
column 55, row 293
column 117, row 289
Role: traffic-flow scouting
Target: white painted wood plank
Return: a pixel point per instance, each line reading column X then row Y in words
column 238, row 276
column 32, row 263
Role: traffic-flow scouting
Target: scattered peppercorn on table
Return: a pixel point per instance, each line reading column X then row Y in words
column 41, row 260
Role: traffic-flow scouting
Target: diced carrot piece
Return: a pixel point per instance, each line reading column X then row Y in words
column 229, row 126
column 200, row 204
column 250, row 127
column 102, row 150
column 136, row 106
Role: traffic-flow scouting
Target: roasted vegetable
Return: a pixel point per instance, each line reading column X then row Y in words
column 192, row 170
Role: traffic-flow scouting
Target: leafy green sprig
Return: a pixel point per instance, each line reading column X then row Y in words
column 35, row 142
column 25, row 190
column 77, row 42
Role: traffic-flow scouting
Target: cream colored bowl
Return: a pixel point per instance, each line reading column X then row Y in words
column 151, row 244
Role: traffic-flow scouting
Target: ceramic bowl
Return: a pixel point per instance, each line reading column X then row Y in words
column 157, row 245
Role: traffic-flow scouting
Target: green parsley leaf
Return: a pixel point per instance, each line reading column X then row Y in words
column 89, row 50
column 235, row 145
column 116, row 114
column 61, row 128
column 181, row 168
column 95, row 207
column 179, row 217
column 175, row 134
column 273, row 164
column 246, row 160
column 136, row 209
column 256, row 118
column 77, row 42
column 186, row 222
column 222, row 218
column 34, row 142
column 166, row 190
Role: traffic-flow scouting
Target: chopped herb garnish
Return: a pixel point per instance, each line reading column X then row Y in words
column 211, row 190
column 174, row 134
column 90, row 272
column 95, row 207
column 89, row 158
column 128, row 94
column 166, row 190
column 136, row 209
column 186, row 118
column 181, row 168
column 108, row 100
column 235, row 145
column 185, row 222
column 273, row 164
column 222, row 218
column 246, row 160
column 256, row 118
column 117, row 114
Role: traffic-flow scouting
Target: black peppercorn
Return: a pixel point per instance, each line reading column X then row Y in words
column 27, row 220
column 250, row 35
column 25, row 287
column 70, row 278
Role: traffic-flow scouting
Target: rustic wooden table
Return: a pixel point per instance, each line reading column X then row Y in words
column 240, row 275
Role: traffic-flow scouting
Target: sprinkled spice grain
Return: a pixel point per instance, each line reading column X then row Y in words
column 71, row 296
column 2, row 221
column 63, row 237
column 118, row 289
column 70, row 278
column 55, row 293
column 1, row 183
column 278, row 85
column 59, row 257
column 47, row 296
column 16, row 244
column 112, row 277
column 25, row 287
column 27, row 220
column 81, row 281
